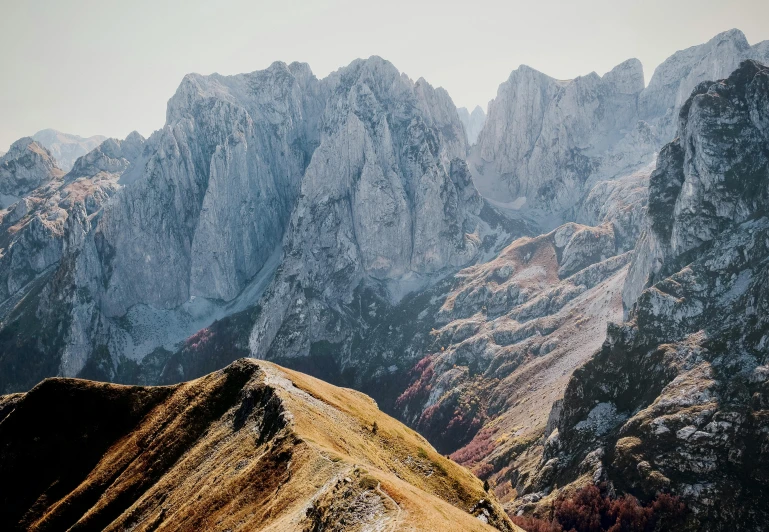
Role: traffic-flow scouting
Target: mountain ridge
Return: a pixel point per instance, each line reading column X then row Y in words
column 284, row 450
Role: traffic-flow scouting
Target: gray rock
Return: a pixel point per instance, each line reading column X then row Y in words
column 472, row 122
column 685, row 376
column 66, row 148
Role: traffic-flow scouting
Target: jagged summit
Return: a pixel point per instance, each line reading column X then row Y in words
column 546, row 142
column 250, row 447
column 27, row 166
column 65, row 147
column 472, row 122
column 675, row 399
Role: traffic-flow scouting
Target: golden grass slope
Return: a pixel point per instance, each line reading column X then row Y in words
column 250, row 447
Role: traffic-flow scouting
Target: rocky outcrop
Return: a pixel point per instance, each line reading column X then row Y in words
column 386, row 200
column 286, row 451
column 551, row 141
column 699, row 186
column 674, row 400
column 42, row 234
column 25, row 167
column 548, row 140
column 215, row 192
column 506, row 339
column 66, row 148
column 675, row 79
column 472, row 122
column 622, row 203
column 364, row 170
column 200, row 207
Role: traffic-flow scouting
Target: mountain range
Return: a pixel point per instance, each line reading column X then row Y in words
column 566, row 291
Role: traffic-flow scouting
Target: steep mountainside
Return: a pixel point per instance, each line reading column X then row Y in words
column 364, row 169
column 472, row 122
column 25, row 167
column 234, row 149
column 676, row 398
column 67, row 148
column 386, row 202
column 549, row 141
column 507, row 339
column 250, row 447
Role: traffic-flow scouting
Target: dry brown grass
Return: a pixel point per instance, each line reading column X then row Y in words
column 251, row 447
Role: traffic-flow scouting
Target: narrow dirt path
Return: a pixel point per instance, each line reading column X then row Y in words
column 394, row 524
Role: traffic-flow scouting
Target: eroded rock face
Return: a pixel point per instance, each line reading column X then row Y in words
column 67, row 148
column 551, row 141
column 472, row 122
column 708, row 178
column 674, row 401
column 506, row 339
column 26, row 166
column 201, row 206
column 675, row 79
column 42, row 234
column 622, row 203
column 370, row 164
column 215, row 192
column 387, row 199
column 548, row 139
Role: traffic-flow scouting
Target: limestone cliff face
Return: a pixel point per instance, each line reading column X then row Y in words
column 387, row 198
column 675, row 79
column 66, row 148
column 42, row 234
column 707, row 179
column 196, row 210
column 675, row 399
column 472, row 122
column 215, row 191
column 551, row 141
column 26, row 166
column 364, row 168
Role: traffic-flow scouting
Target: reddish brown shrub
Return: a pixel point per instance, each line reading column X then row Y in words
column 588, row 510
column 420, row 388
column 483, row 471
column 532, row 524
column 479, row 448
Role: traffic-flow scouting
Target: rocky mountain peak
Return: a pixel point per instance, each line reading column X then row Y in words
column 549, row 140
column 472, row 122
column 387, row 198
column 113, row 156
column 674, row 400
column 674, row 79
column 712, row 176
column 65, row 147
column 26, row 166
column 627, row 77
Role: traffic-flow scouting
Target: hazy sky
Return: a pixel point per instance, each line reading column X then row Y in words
column 108, row 67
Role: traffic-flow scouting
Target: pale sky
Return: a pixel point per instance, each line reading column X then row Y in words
column 109, row 67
